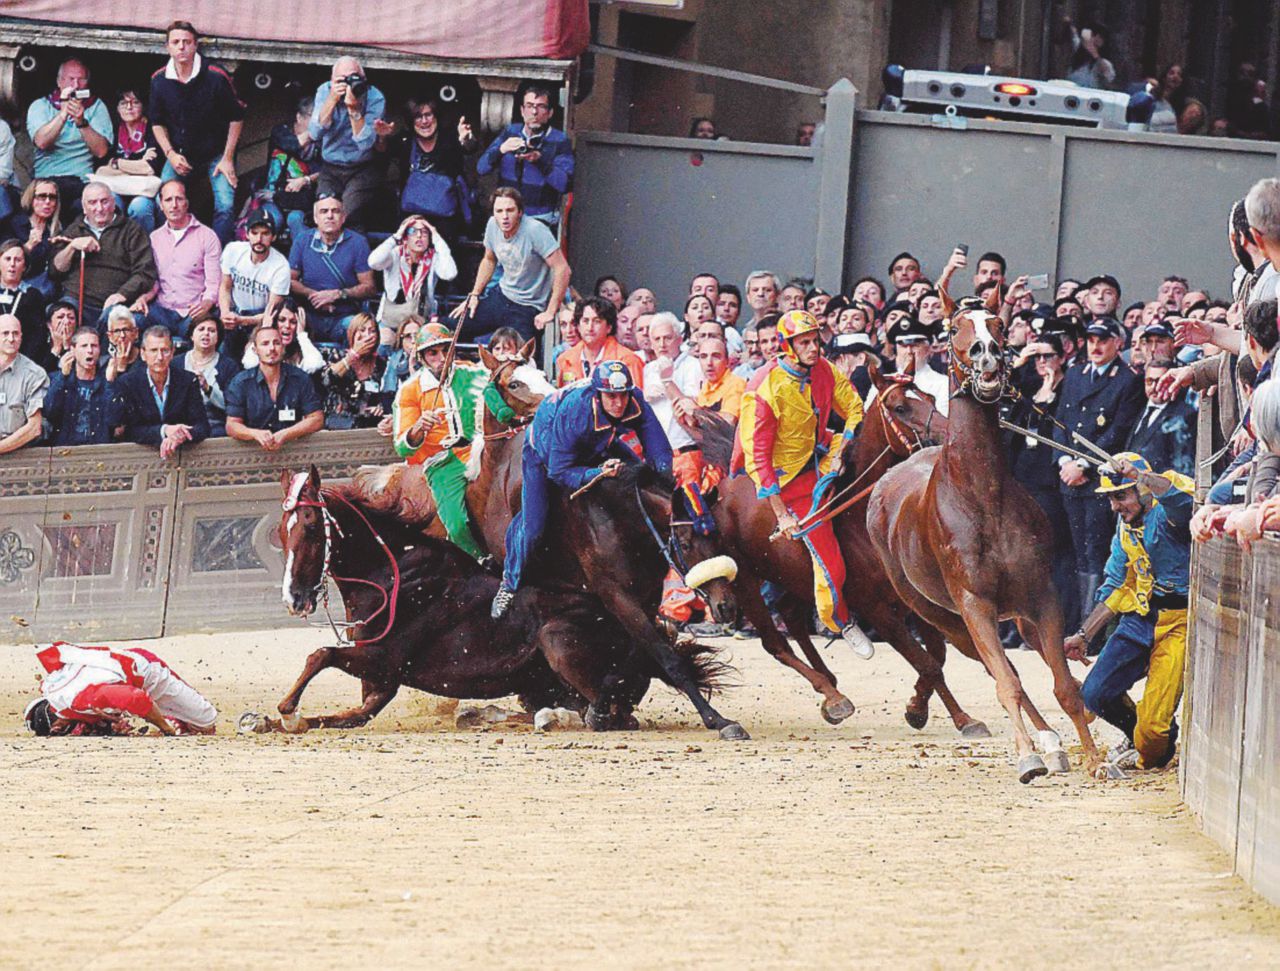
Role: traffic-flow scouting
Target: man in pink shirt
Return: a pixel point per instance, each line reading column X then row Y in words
column 187, row 255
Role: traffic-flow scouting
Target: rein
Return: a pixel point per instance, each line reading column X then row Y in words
column 389, row 598
column 835, row 505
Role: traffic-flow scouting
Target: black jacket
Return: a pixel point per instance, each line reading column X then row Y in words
column 1103, row 411
column 1170, row 441
column 77, row 420
column 196, row 115
column 183, row 406
column 1033, row 463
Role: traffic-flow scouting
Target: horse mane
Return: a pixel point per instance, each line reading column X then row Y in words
column 397, row 490
column 385, row 513
column 715, row 434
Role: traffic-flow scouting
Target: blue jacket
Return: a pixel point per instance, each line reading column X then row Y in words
column 572, row 435
column 541, row 183
column 1166, row 536
column 1103, row 411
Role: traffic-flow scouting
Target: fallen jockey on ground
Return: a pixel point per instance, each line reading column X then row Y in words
column 96, row 688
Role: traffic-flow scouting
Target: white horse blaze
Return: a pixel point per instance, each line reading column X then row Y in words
column 534, row 378
column 715, row 568
column 287, row 582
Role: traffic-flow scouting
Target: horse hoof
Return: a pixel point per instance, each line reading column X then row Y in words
column 253, row 723
column 1057, row 762
column 834, row 714
column 975, row 729
column 916, row 718
column 598, row 721
column 733, row 732
column 1031, row 767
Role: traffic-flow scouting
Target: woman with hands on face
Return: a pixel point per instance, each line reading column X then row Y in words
column 351, row 380
column 412, row 260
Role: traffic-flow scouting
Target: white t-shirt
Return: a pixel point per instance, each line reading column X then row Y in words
column 252, row 283
column 687, row 376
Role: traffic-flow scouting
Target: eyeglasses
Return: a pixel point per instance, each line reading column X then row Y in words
column 46, row 196
column 1046, row 355
column 417, row 231
column 121, row 331
column 536, row 106
column 129, row 101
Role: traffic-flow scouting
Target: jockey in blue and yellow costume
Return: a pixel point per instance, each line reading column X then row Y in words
column 1146, row 582
column 578, row 434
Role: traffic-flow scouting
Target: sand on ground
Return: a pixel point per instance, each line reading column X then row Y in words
column 410, row 842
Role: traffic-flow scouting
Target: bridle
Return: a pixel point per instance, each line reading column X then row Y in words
column 894, row 430
column 964, row 376
column 513, row 427
column 295, row 500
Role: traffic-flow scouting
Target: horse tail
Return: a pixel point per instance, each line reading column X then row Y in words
column 711, row 674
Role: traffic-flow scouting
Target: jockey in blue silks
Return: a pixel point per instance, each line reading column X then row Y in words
column 578, row 433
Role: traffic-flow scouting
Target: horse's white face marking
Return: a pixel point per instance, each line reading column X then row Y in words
column 287, row 583
column 533, row 379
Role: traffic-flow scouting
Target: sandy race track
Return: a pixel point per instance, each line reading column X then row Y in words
column 412, row 843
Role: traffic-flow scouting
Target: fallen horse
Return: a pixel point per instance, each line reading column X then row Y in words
column 418, row 610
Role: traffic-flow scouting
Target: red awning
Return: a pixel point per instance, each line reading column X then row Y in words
column 477, row 29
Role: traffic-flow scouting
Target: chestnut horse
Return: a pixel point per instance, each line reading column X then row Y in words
column 901, row 420
column 584, row 536
column 966, row 546
column 419, row 610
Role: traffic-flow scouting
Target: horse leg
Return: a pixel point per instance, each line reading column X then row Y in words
column 376, row 697
column 316, row 662
column 674, row 668
column 980, row 619
column 577, row 664
column 936, row 646
column 835, row 706
column 1065, row 687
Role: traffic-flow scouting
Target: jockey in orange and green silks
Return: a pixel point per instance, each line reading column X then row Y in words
column 785, row 446
column 435, row 426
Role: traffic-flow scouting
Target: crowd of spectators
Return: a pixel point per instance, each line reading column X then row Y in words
column 150, row 326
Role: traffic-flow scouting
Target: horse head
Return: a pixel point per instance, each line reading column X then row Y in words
column 304, row 540
column 642, row 504
column 520, row 382
column 976, row 349
column 905, row 418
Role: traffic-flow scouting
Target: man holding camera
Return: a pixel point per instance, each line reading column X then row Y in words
column 197, row 116
column 344, row 121
column 70, row 128
column 533, row 157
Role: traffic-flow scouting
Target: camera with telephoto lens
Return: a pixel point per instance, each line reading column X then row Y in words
column 357, row 84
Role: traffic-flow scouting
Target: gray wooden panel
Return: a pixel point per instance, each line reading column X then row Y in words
column 1215, row 708
column 24, row 488
column 654, row 212
column 108, row 533
column 1258, row 836
column 925, row 189
column 225, row 574
column 1143, row 210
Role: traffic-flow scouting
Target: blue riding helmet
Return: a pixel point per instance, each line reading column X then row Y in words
column 612, row 376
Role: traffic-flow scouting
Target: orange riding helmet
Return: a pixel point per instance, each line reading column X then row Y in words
column 791, row 325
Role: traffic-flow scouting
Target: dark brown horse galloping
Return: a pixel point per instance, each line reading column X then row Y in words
column 901, row 420
column 967, row 547
column 419, row 610
column 584, row 537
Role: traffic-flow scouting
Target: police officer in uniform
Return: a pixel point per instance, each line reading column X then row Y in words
column 1101, row 400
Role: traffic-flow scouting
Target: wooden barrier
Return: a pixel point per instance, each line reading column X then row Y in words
column 109, row 542
column 1231, row 718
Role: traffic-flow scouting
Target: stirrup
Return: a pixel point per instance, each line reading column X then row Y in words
column 501, row 601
